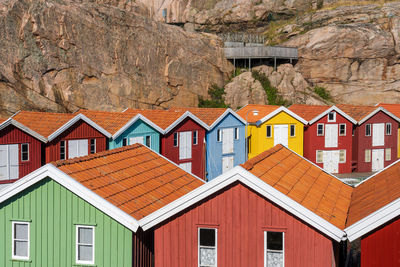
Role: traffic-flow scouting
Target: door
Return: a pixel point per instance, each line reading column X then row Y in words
column 77, row 148
column 227, row 141
column 186, row 166
column 377, row 159
column 331, row 135
column 9, row 162
column 331, row 161
column 281, row 134
column 185, row 145
column 227, row 163
column 378, row 134
column 137, row 139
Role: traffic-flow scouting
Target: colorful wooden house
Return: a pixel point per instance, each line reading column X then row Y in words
column 87, row 211
column 374, row 137
column 278, row 209
column 328, row 139
column 395, row 110
column 183, row 139
column 271, row 125
column 126, row 129
column 225, row 139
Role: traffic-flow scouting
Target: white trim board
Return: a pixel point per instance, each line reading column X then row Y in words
column 240, row 174
column 333, row 108
column 185, row 115
column 52, row 172
column 277, row 111
column 376, row 111
column 226, row 112
column 11, row 121
column 132, row 121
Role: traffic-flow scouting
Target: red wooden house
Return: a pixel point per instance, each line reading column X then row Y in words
column 328, row 139
column 278, row 209
column 183, row 138
column 374, row 137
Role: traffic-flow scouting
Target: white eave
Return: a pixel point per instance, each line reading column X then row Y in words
column 376, row 111
column 11, row 121
column 333, row 108
column 187, row 114
column 132, row 121
column 277, row 111
column 226, row 112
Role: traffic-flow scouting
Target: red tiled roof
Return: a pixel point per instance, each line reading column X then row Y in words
column 161, row 118
column 356, row 112
column 392, row 108
column 133, row 178
column 303, row 182
column 207, row 115
column 109, row 121
column 263, row 110
column 308, row 112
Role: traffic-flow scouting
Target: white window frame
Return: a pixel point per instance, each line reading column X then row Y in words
column 390, row 154
column 266, row 246
column 90, row 145
column 334, row 116
column 145, row 140
column 219, row 135
column 195, row 137
column 294, row 130
column 343, row 161
column 176, row 138
column 390, row 128
column 22, row 160
column 370, row 156
column 270, row 131
column 316, row 156
column 13, row 256
column 345, row 130
column 370, row 129
column 236, row 133
column 65, row 149
column 323, row 129
column 216, row 245
column 77, row 261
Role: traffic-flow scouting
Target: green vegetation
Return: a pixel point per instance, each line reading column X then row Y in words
column 274, row 98
column 217, row 99
column 322, row 92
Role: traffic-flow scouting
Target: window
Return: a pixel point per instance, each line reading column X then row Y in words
column 148, row 140
column 124, row 142
column 342, row 155
column 353, row 130
column 62, row 149
column 388, row 129
column 84, row 244
column 368, row 130
column 195, row 139
column 219, row 135
column 320, row 129
column 207, row 247
column 367, row 155
column 332, row 116
column 20, row 240
column 292, row 130
column 320, row 156
column 236, row 133
column 274, row 249
column 175, row 139
column 269, row 131
column 342, row 129
column 92, row 146
column 24, row 152
column 388, row 154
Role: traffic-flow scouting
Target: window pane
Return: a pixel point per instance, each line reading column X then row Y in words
column 274, row 259
column 21, row 231
column 85, row 235
column 292, row 130
column 21, row 248
column 85, row 253
column 275, row 240
column 207, row 237
column 148, row 141
column 207, row 256
column 269, row 131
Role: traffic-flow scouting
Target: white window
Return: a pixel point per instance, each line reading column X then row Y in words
column 236, row 133
column 320, row 129
column 342, row 155
column 269, row 131
column 368, row 155
column 368, row 130
column 136, row 140
column 227, row 141
column 186, row 166
column 332, row 116
column 20, row 240
column 124, row 142
column 92, row 146
column 219, row 135
column 207, row 247
column 342, row 129
column 84, row 244
column 25, row 152
column 78, row 148
column 175, row 139
column 388, row 154
column 274, row 249
column 9, row 162
column 388, row 129
column 320, row 156
column 292, row 130
column 185, row 145
column 148, row 140
column 62, row 150
column 195, row 137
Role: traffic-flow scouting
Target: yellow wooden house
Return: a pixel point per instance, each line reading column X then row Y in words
column 269, row 125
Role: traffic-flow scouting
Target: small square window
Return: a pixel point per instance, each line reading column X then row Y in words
column 320, row 129
column 175, row 139
column 148, row 140
column 274, row 249
column 62, row 149
column 388, row 154
column 20, row 240
column 342, row 129
column 236, row 133
column 367, row 155
column 320, row 156
column 332, row 116
column 388, row 129
column 368, row 130
column 207, row 247
column 84, row 244
column 92, row 146
column 195, row 138
column 24, row 152
column 269, row 131
column 342, row 155
column 292, row 130
column 219, row 135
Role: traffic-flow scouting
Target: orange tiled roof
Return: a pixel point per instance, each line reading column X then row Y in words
column 44, row 123
column 109, row 121
column 162, row 118
column 303, row 182
column 392, row 108
column 133, row 178
column 263, row 110
column 356, row 112
column 207, row 115
column 308, row 112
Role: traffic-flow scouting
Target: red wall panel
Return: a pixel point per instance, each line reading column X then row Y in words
column 13, row 135
column 241, row 217
column 198, row 151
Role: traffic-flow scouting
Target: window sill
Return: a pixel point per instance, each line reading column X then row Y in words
column 84, row 265
column 21, row 260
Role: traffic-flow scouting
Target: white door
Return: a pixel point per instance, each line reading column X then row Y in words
column 185, row 145
column 227, row 163
column 281, row 134
column 378, row 134
column 77, row 148
column 377, row 159
column 331, row 161
column 186, row 166
column 331, row 135
column 227, row 141
column 137, row 139
column 9, row 162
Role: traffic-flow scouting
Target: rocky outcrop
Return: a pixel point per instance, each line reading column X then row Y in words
column 61, row 55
